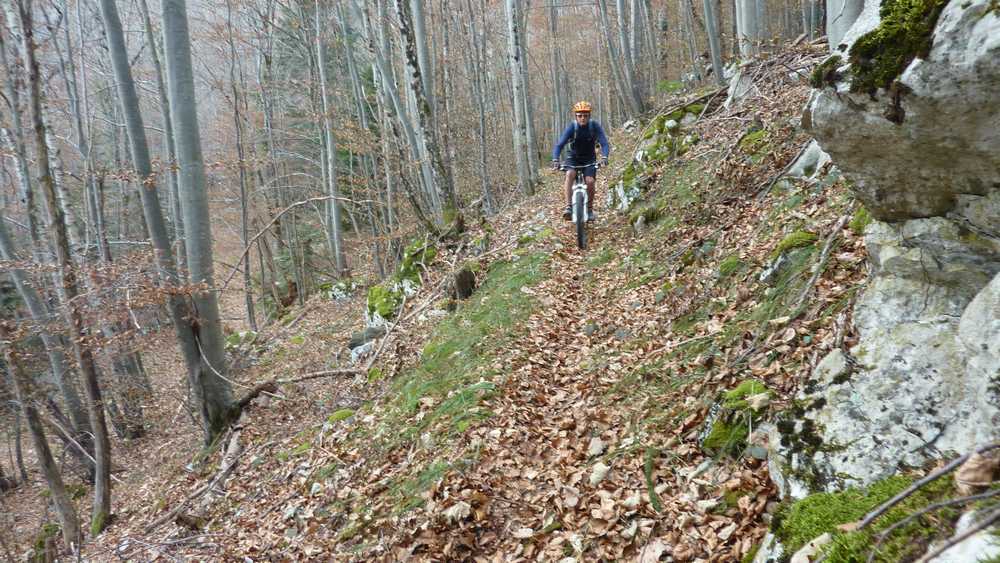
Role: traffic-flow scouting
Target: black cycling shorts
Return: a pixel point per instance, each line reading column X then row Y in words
column 588, row 172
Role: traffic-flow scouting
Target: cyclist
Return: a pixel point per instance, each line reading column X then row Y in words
column 583, row 136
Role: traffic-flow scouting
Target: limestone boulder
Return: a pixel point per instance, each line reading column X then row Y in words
column 924, row 380
column 916, row 149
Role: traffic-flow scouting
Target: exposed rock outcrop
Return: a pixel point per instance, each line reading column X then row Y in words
column 917, row 147
column 923, row 380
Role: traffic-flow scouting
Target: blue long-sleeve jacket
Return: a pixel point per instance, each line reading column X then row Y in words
column 582, row 141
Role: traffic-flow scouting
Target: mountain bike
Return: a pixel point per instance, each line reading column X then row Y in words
column 579, row 201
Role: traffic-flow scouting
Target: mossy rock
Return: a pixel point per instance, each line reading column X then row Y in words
column 797, row 239
column 694, row 109
column 754, row 141
column 342, row 414
column 798, row 523
column 727, row 437
column 880, row 56
column 384, row 300
column 419, row 253
column 649, row 214
column 860, row 220
column 825, row 73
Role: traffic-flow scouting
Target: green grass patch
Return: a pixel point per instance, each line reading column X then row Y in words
column 729, row 266
column 860, row 220
column 601, row 257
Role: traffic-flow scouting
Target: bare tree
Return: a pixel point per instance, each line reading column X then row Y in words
column 210, row 387
column 69, row 289
column 26, row 394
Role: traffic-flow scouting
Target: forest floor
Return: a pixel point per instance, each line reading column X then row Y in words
column 568, row 408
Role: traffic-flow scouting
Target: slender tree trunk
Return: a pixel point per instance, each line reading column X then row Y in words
column 712, row 30
column 70, row 292
column 451, row 212
column 332, row 205
column 623, row 84
column 242, row 164
column 25, row 393
column 212, row 390
column 177, row 220
column 520, row 118
column 475, row 53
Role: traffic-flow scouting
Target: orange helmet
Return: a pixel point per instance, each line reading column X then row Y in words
column 582, row 107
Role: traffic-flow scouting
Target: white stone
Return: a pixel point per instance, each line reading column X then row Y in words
column 810, row 162
column 981, row 546
column 811, row 549
column 596, row 447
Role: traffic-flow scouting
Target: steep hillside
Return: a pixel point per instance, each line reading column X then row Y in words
column 608, row 404
column 596, row 404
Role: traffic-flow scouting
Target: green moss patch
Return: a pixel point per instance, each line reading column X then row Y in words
column 880, row 56
column 825, row 73
column 754, row 142
column 797, row 239
column 860, row 220
column 384, row 300
column 729, row 266
column 803, row 521
column 735, row 399
column 419, row 254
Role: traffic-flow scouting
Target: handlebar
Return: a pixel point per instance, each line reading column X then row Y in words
column 565, row 166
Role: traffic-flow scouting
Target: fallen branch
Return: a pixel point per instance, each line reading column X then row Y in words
column 930, row 508
column 951, row 466
column 767, row 188
column 986, row 522
column 824, row 256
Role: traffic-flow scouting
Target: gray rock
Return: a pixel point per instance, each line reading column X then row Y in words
column 843, row 14
column 928, row 381
column 361, row 337
column 810, row 162
column 739, row 87
column 943, row 142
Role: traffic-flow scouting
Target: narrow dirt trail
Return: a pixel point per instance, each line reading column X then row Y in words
column 558, row 474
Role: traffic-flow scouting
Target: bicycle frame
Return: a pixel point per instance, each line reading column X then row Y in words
column 580, row 201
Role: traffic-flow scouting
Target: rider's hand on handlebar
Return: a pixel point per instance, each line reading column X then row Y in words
column 555, row 165
column 604, row 162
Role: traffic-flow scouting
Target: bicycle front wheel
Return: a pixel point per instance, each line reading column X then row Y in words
column 580, row 218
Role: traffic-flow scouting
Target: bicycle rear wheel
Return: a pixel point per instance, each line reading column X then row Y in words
column 580, row 218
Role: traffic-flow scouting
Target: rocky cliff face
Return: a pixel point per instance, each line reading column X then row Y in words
column 923, row 152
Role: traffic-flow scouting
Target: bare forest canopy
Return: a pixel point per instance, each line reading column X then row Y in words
column 177, row 177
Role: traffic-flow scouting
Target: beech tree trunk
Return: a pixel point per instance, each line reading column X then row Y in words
column 70, row 291
column 211, row 389
column 26, row 395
